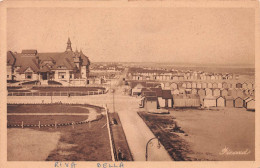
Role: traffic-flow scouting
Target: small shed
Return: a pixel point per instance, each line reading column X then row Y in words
column 244, row 85
column 240, row 93
column 220, row 85
column 201, row 92
column 238, row 85
column 251, row 105
column 225, row 85
column 199, row 85
column 174, row 86
column 167, row 97
column 214, row 85
column 150, row 103
column 194, row 91
column 224, row 93
column 249, row 85
column 181, row 101
column 179, row 85
column 229, row 101
column 208, row 92
column 209, row 101
column 221, row 102
column 238, row 102
column 210, row 85
column 233, row 93
column 184, row 85
column 175, row 91
column 204, row 85
column 188, row 85
column 216, row 92
column 194, row 85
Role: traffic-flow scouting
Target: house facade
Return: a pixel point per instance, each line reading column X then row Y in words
column 29, row 65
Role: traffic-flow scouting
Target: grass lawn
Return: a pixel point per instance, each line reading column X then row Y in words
column 86, row 142
column 47, row 108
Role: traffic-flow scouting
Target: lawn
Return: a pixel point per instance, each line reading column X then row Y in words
column 86, row 142
column 83, row 142
column 47, row 108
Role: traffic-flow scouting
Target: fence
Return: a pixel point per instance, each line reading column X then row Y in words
column 55, row 124
column 61, row 93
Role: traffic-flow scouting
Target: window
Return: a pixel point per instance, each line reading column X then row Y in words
column 62, row 75
column 28, row 75
column 7, row 76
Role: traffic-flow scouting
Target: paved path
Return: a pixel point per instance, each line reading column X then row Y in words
column 49, row 114
column 137, row 133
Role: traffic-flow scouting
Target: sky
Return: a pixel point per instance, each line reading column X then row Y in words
column 178, row 35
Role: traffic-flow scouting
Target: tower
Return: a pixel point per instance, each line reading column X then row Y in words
column 69, row 45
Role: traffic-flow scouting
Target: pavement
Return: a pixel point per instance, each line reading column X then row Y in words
column 136, row 131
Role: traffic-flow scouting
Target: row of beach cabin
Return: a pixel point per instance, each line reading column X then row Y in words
column 156, row 97
column 214, row 85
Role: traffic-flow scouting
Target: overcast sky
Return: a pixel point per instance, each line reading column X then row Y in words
column 192, row 35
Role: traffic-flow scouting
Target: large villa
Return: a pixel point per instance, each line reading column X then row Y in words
column 65, row 67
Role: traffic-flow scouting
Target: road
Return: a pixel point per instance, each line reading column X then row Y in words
column 137, row 133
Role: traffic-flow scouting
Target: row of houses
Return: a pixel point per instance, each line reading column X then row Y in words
column 179, row 76
column 215, row 92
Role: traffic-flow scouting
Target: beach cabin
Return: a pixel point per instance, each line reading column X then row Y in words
column 209, row 101
column 238, row 85
column 182, row 101
column 188, row 85
column 194, row 91
column 174, row 86
column 208, row 92
column 251, row 105
column 225, row 85
column 238, row 102
column 240, row 93
column 250, row 86
column 194, row 85
column 204, row 85
column 210, row 85
column 216, row 92
column 199, row 85
column 184, row 85
column 214, row 85
column 224, row 93
column 220, row 85
column 229, row 101
column 175, row 91
column 244, row 85
column 221, row 102
column 201, row 92
column 150, row 103
column 167, row 97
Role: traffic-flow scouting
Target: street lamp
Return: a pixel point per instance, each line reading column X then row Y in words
column 146, row 150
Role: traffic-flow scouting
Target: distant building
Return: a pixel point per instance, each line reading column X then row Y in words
column 29, row 65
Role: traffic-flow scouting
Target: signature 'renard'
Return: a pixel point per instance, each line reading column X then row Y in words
column 227, row 151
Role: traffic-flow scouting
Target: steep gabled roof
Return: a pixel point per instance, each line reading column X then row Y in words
column 151, row 98
column 166, row 94
column 10, row 58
